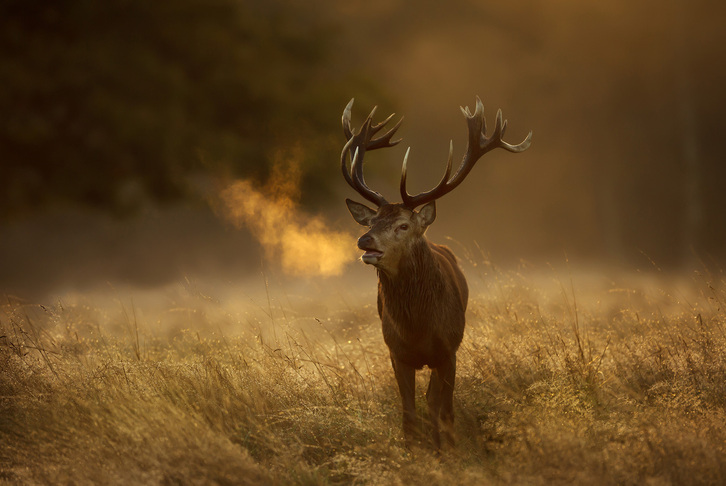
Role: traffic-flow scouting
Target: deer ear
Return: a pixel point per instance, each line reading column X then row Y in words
column 427, row 214
column 360, row 212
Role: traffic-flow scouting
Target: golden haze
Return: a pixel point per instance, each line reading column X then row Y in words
column 303, row 243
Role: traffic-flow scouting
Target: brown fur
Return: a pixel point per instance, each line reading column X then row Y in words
column 422, row 298
column 422, row 308
column 422, row 293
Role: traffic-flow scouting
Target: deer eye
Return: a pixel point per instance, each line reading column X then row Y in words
column 403, row 227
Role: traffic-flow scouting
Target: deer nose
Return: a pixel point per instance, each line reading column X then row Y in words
column 365, row 242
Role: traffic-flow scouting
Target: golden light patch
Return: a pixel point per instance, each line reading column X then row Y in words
column 302, row 243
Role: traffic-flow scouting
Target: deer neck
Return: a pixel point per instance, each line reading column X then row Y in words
column 416, row 284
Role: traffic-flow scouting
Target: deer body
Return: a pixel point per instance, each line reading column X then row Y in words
column 422, row 308
column 422, row 316
column 422, row 292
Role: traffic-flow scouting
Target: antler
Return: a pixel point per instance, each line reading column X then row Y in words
column 358, row 144
column 477, row 146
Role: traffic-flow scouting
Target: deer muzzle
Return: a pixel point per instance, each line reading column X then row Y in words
column 372, row 255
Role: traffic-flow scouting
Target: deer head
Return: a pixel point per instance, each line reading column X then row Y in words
column 396, row 228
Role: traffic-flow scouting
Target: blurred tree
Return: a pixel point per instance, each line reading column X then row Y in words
column 111, row 103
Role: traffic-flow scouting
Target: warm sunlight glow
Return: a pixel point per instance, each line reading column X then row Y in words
column 302, row 243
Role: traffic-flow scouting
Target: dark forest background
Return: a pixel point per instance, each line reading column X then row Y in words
column 112, row 108
column 108, row 104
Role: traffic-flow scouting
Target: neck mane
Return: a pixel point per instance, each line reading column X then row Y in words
column 412, row 292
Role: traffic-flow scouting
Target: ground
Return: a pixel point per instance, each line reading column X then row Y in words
column 562, row 379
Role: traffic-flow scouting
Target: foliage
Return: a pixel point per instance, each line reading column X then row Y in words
column 617, row 385
column 111, row 103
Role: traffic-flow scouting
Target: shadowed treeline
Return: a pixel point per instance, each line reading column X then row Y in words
column 123, row 106
column 115, row 103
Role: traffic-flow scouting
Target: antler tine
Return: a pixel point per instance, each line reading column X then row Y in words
column 356, row 146
column 411, row 202
column 496, row 140
column 380, row 142
column 375, row 128
column 404, row 193
column 347, row 131
column 369, row 118
column 479, row 109
column 360, row 183
column 344, row 166
column 356, row 158
column 355, row 177
column 478, row 145
column 385, row 139
column 520, row 147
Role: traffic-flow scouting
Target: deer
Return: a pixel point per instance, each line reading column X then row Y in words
column 422, row 291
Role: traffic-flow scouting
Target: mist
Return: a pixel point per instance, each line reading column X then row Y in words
column 625, row 102
column 301, row 242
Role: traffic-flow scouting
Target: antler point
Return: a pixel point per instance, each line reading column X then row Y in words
column 404, row 166
column 479, row 107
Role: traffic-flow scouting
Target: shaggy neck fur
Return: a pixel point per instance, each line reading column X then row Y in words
column 410, row 295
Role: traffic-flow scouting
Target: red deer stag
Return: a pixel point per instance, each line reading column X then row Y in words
column 422, row 293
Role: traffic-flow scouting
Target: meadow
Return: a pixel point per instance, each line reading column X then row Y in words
column 563, row 378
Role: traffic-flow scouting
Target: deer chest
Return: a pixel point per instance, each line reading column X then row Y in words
column 423, row 341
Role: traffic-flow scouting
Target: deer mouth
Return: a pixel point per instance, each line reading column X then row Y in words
column 371, row 256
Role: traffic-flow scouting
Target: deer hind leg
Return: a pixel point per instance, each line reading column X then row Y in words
column 433, row 398
column 406, row 378
column 447, row 375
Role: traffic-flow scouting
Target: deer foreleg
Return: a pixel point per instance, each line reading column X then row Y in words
column 406, row 378
column 433, row 398
column 447, row 375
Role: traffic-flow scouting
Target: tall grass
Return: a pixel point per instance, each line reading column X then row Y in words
column 561, row 380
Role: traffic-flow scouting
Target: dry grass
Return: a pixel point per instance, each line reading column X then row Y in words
column 589, row 382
